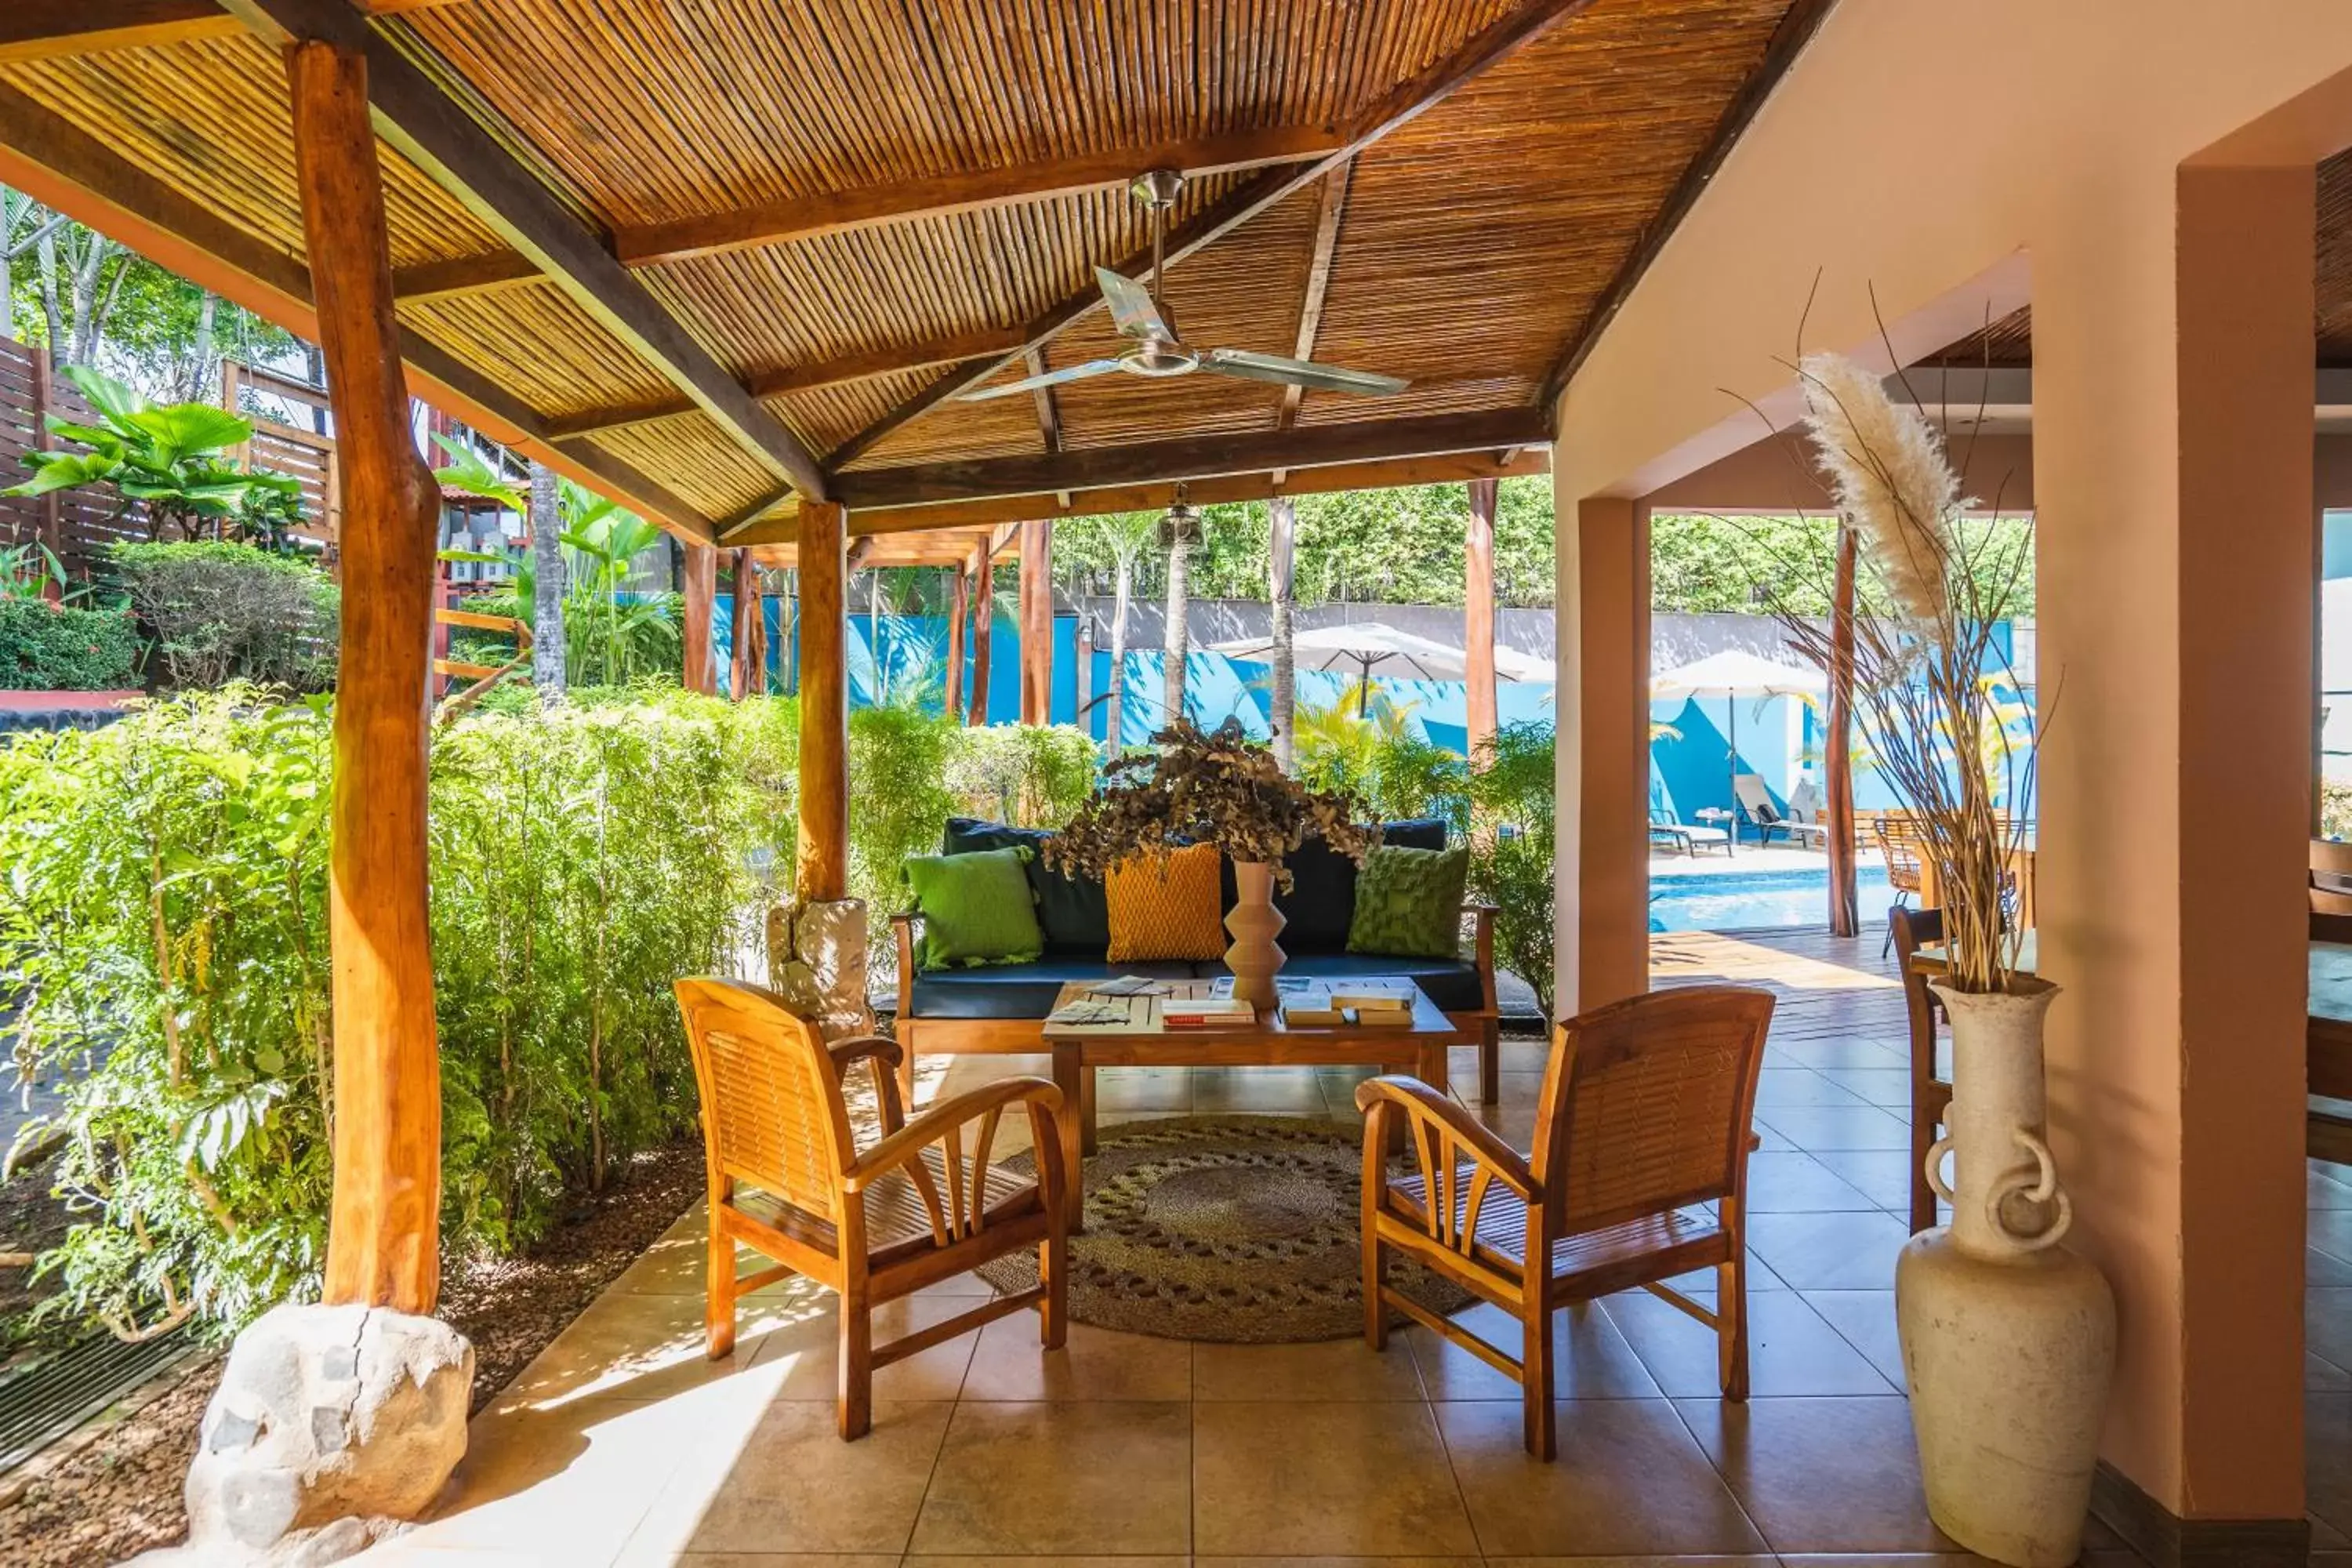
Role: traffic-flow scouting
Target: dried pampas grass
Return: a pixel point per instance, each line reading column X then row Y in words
column 1888, row 476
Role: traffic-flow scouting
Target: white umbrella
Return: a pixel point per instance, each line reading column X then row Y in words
column 1733, row 673
column 1367, row 648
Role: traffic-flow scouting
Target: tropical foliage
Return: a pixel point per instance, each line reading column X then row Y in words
column 227, row 612
column 1513, row 792
column 1363, row 744
column 64, row 647
column 168, row 463
column 1032, row 775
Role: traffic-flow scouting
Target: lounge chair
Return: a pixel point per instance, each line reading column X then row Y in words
column 1756, row 804
column 1673, row 832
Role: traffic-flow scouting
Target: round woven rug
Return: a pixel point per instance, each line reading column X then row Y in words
column 1234, row 1229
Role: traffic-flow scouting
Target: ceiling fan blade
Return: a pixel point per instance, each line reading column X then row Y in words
column 1299, row 372
column 1133, row 310
column 1051, row 378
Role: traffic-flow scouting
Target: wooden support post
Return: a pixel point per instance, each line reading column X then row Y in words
column 1037, row 622
column 1478, row 614
column 756, row 638
column 958, row 608
column 983, row 614
column 701, row 599
column 822, row 869
column 741, row 670
column 384, row 1236
column 1837, row 758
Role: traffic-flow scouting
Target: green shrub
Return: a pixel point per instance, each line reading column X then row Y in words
column 1028, row 774
column 1514, row 790
column 49, row 648
column 163, row 927
column 897, row 803
column 226, row 612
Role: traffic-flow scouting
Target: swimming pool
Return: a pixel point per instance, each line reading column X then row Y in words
column 1745, row 901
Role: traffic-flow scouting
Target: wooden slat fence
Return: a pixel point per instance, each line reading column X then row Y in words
column 78, row 524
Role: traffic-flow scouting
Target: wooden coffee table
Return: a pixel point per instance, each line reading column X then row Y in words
column 1142, row 1040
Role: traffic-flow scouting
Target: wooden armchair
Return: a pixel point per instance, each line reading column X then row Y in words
column 1642, row 1121
column 786, row 1177
column 1931, row 1096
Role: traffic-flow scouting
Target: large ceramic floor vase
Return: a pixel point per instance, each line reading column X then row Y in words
column 1254, row 957
column 2008, row 1338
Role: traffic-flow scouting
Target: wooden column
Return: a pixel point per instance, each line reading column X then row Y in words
column 1037, row 622
column 983, row 613
column 822, row 872
column 383, row 1235
column 1478, row 614
column 1837, row 746
column 959, row 608
column 701, row 597
column 741, row 672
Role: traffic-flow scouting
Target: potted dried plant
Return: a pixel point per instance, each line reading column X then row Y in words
column 1214, row 787
column 2008, row 1338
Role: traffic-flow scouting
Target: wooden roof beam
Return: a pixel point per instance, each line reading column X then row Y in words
column 842, row 212
column 807, row 377
column 1411, row 99
column 1796, row 29
column 485, row 274
column 412, row 113
column 1189, row 457
column 945, row 518
column 1330, row 208
column 48, row 29
column 66, row 169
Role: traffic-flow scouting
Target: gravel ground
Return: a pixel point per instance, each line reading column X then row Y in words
column 119, row 1494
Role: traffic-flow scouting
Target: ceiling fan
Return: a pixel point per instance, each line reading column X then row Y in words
column 1143, row 314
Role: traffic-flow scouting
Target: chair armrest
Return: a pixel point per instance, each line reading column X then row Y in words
column 886, row 1055
column 902, row 930
column 1454, row 1126
column 905, row 1146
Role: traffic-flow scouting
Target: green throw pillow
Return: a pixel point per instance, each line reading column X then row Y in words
column 1409, row 902
column 976, row 908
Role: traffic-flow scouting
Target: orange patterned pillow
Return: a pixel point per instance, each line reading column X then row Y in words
column 1166, row 907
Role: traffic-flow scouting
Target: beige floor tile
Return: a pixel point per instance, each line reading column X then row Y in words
column 1332, row 1369
column 795, row 1486
column 1291, row 1092
column 1867, row 1320
column 1799, row 1086
column 1629, row 1479
column 1819, row 1126
column 1839, row 1251
column 809, row 1352
column 1362, row 1478
column 1059, row 1478
column 1889, row 1089
column 1794, row 1183
column 649, row 1346
column 1591, row 1358
column 1839, row 1050
column 1882, row 1175
column 1790, row 1351
column 1143, row 1088
column 1821, row 1474
column 1095, row 1365
column 2328, row 1458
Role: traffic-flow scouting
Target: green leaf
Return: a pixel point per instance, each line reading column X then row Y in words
column 114, row 401
column 191, row 428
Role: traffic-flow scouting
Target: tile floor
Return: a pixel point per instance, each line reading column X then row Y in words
column 622, row 1445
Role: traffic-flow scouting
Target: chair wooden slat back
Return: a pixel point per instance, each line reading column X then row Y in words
column 773, row 1111
column 1646, row 1104
column 2331, row 878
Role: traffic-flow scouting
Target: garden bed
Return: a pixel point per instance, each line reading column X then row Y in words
column 102, row 1501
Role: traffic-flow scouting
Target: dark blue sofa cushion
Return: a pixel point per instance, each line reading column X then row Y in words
column 1073, row 913
column 1023, row 990
column 1451, row 982
column 1322, row 898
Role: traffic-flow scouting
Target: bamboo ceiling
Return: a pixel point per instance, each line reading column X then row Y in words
column 792, row 183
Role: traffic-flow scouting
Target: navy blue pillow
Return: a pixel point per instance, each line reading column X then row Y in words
column 1074, row 913
column 1321, row 903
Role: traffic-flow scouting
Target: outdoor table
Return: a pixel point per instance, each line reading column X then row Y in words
column 2328, row 1023
column 1715, row 817
column 1142, row 1040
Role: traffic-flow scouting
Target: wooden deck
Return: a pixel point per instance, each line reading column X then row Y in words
column 1827, row 985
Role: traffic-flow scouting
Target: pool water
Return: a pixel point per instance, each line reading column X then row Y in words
column 1746, row 900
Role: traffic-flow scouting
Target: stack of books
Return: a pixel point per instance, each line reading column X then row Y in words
column 1374, row 1009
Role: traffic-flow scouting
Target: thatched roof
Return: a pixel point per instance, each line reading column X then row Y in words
column 708, row 253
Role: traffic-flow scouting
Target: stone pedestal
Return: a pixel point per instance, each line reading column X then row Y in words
column 332, row 1427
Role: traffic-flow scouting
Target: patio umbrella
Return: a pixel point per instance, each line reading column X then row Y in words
column 1367, row 648
column 1733, row 673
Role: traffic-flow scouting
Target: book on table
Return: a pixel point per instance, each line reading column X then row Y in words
column 1204, row 1012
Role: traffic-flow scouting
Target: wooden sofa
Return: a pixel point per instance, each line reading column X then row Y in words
column 1000, row 1009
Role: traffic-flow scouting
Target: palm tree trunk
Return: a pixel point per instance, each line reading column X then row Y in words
column 1179, row 644
column 60, row 346
column 1282, row 706
column 547, row 644
column 1114, row 725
